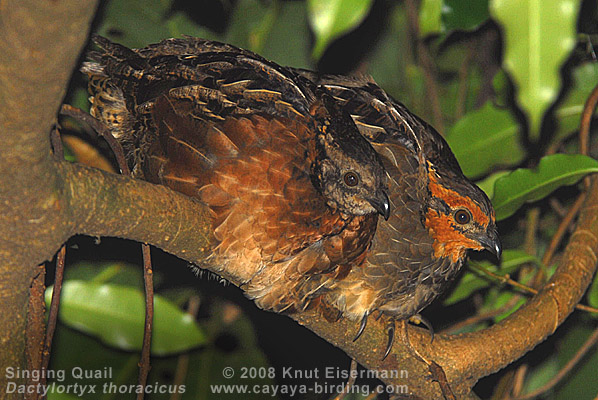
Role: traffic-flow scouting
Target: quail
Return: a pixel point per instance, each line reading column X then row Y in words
column 295, row 167
column 438, row 214
column 293, row 187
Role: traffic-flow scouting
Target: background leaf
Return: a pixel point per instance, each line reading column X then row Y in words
column 464, row 14
column 383, row 63
column 485, row 138
column 281, row 44
column 511, row 260
column 501, row 299
column 593, row 295
column 526, row 185
column 443, row 16
column 430, row 17
column 331, row 18
column 230, row 325
column 251, row 22
column 136, row 22
column 568, row 111
column 582, row 380
column 538, row 36
column 116, row 315
column 487, row 184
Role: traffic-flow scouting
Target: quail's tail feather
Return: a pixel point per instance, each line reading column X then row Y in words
column 107, row 98
column 115, row 51
column 108, row 104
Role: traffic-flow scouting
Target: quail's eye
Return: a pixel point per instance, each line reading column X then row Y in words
column 351, row 179
column 462, row 217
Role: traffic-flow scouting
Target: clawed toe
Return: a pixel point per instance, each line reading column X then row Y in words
column 390, row 329
column 418, row 319
column 364, row 322
column 391, row 338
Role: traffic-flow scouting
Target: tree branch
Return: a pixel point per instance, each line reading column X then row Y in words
column 105, row 204
column 40, row 43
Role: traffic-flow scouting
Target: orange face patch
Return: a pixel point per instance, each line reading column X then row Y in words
column 448, row 241
column 455, row 200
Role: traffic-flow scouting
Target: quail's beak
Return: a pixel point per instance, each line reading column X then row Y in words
column 381, row 203
column 491, row 242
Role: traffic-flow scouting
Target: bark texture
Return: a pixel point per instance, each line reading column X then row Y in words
column 40, row 43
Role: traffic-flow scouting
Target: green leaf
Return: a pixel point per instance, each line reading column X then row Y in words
column 475, row 280
column 384, row 65
column 540, row 374
column 61, row 396
column 71, row 349
column 527, row 185
column 538, row 37
column 501, row 300
column 583, row 380
column 137, row 22
column 487, row 185
column 209, row 363
column 458, row 97
column 441, row 16
column 464, row 14
column 74, row 349
column 501, row 86
column 115, row 272
column 430, row 17
column 115, row 314
column 289, row 41
column 568, row 111
column 179, row 24
column 485, row 138
column 250, row 24
column 79, row 99
column 593, row 295
column 330, row 19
